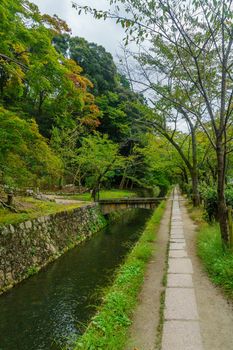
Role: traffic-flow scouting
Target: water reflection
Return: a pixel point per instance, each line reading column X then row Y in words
column 46, row 310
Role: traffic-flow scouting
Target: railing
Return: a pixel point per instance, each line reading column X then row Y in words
column 131, row 200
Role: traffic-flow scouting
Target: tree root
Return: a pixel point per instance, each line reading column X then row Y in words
column 6, row 206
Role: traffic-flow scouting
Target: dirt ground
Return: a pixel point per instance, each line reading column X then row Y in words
column 215, row 312
column 146, row 317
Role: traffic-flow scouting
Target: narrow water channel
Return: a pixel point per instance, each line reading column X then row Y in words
column 46, row 311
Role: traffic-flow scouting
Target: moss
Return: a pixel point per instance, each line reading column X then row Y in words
column 32, row 271
column 35, row 209
column 161, row 321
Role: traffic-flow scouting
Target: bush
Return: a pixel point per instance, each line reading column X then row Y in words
column 187, row 189
column 217, row 261
column 210, row 198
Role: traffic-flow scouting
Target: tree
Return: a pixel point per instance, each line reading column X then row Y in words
column 165, row 119
column 159, row 166
column 97, row 63
column 199, row 36
column 98, row 158
column 25, row 157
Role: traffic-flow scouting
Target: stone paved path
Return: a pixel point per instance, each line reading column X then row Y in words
column 197, row 315
column 181, row 327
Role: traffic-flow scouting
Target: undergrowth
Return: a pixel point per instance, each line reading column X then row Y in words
column 217, row 260
column 108, row 328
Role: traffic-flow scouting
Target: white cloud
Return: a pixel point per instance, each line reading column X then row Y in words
column 106, row 33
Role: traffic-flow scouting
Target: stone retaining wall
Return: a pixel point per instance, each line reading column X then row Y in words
column 27, row 247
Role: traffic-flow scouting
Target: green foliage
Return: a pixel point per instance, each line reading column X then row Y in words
column 157, row 161
column 108, row 329
column 209, row 195
column 98, row 158
column 39, row 86
column 217, row 260
column 32, row 271
column 120, row 107
column 98, row 64
column 25, row 157
column 65, row 89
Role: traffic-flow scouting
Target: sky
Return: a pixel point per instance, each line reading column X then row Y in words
column 106, row 33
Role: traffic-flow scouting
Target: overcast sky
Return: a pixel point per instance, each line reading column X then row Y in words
column 106, row 33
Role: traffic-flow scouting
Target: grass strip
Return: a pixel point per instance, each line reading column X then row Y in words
column 35, row 209
column 159, row 335
column 105, row 194
column 217, row 261
column 109, row 327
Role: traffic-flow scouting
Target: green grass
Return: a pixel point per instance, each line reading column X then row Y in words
column 196, row 214
column 162, row 296
column 31, row 209
column 105, row 194
column 108, row 330
column 217, row 261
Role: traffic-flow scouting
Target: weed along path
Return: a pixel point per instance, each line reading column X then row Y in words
column 188, row 313
column 215, row 312
column 142, row 335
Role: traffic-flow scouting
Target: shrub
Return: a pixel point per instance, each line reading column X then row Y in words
column 210, row 198
column 217, row 261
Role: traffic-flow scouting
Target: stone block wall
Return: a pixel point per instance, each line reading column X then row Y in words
column 27, row 247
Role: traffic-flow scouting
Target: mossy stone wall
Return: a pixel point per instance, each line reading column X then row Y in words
column 26, row 247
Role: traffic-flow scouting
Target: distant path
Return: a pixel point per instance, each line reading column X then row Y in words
column 62, row 200
column 197, row 315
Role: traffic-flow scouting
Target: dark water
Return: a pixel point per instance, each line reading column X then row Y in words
column 47, row 309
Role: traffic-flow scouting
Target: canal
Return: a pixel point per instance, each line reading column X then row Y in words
column 50, row 309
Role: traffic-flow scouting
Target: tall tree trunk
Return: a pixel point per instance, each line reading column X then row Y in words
column 185, row 175
column 191, row 166
column 222, row 207
column 122, row 184
column 195, row 196
column 194, row 171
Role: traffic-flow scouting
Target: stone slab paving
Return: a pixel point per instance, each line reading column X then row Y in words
column 180, row 304
column 179, row 280
column 177, row 240
column 177, row 246
column 180, row 265
column 177, row 231
column 177, row 235
column 182, row 335
column 181, row 327
column 178, row 254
